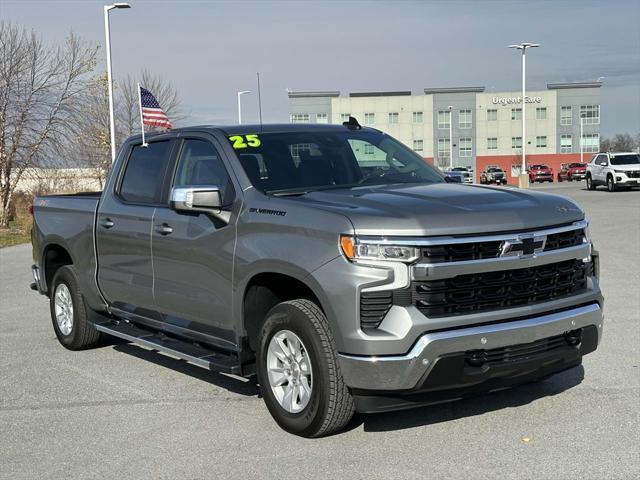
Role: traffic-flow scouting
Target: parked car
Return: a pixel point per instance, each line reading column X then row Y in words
column 454, row 176
column 540, row 173
column 572, row 171
column 270, row 250
column 614, row 170
column 493, row 174
column 467, row 174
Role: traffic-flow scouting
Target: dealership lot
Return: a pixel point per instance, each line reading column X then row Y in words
column 121, row 411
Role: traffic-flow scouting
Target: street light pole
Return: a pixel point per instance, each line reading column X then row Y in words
column 112, row 126
column 240, row 105
column 523, row 47
column 450, row 137
column 581, row 141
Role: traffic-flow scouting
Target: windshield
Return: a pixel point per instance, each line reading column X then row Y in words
column 494, row 170
column 631, row 159
column 299, row 162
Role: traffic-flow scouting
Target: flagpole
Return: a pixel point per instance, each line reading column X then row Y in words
column 144, row 143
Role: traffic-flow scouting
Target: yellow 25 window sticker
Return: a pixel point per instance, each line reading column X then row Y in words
column 244, row 141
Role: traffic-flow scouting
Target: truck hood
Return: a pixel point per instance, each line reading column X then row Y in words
column 443, row 209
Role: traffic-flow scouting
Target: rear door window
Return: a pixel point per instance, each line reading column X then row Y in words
column 145, row 171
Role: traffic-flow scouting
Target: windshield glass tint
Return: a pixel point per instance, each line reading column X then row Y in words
column 632, row 159
column 305, row 161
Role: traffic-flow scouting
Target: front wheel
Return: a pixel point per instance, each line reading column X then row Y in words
column 611, row 186
column 69, row 312
column 590, row 185
column 298, row 371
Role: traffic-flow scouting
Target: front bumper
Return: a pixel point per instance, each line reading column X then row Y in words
column 408, row 372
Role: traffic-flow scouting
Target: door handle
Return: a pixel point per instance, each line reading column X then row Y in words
column 164, row 229
column 107, row 223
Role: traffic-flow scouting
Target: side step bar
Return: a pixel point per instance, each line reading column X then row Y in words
column 196, row 354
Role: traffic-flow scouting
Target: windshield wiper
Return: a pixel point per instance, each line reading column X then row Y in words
column 291, row 192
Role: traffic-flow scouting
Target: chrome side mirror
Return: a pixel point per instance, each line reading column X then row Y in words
column 199, row 199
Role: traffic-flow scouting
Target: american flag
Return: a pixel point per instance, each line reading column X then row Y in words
column 152, row 113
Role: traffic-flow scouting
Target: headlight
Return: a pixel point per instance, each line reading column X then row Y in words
column 355, row 250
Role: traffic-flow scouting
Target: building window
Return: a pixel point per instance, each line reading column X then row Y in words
column 444, row 148
column 369, row 118
column 417, row 117
column 566, row 144
column 345, row 117
column 591, row 142
column 465, row 119
column 492, row 143
column 368, row 149
column 541, row 141
column 393, row 117
column 541, row 113
column 465, row 147
column 299, row 118
column 443, row 118
column 516, row 114
column 516, row 142
column 417, row 145
column 591, row 114
column 322, row 118
column 565, row 115
column 492, row 115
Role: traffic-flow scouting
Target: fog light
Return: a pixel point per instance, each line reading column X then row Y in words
column 476, row 358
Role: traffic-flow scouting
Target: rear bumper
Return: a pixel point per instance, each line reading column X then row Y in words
column 418, row 369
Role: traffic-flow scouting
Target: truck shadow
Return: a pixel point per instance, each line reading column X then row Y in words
column 233, row 384
column 469, row 407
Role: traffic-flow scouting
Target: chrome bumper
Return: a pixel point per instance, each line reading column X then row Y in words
column 403, row 372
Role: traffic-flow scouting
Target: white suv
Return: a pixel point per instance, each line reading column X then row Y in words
column 614, row 170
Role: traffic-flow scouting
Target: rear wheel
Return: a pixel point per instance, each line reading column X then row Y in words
column 299, row 373
column 69, row 312
column 611, row 186
column 590, row 185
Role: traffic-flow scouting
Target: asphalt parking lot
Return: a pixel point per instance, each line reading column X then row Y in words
column 120, row 411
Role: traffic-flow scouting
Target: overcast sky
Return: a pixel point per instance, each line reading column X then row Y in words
column 210, row 50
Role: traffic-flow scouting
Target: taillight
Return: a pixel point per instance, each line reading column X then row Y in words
column 30, row 209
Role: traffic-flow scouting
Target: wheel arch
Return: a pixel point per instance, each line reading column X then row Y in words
column 263, row 291
column 54, row 256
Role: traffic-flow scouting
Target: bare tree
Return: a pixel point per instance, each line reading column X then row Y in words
column 40, row 91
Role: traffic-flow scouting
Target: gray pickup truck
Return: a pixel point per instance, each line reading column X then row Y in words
column 330, row 261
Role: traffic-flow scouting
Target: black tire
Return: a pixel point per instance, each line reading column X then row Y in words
column 82, row 335
column 559, row 178
column 590, row 185
column 570, row 178
column 611, row 186
column 331, row 406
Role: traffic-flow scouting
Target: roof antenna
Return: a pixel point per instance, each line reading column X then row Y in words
column 352, row 124
column 259, row 102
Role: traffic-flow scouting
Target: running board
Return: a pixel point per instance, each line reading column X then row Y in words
column 197, row 354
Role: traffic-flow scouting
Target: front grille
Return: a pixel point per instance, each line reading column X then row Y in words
column 522, row 352
column 498, row 290
column 491, row 249
column 635, row 174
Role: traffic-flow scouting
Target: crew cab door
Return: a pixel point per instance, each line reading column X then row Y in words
column 193, row 252
column 123, row 230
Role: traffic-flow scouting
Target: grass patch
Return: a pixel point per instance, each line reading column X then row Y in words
column 14, row 235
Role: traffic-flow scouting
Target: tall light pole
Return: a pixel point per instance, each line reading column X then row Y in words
column 112, row 126
column 450, row 137
column 240, row 105
column 523, row 46
column 581, row 139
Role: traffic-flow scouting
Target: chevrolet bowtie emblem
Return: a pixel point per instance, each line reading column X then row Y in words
column 523, row 246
